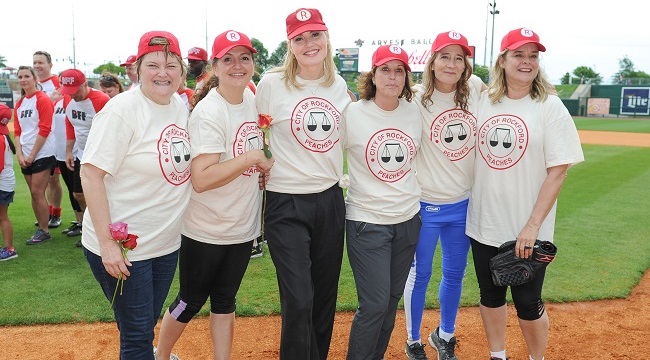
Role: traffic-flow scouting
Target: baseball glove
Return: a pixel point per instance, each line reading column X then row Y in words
column 508, row 269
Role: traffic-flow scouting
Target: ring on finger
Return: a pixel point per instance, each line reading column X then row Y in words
column 528, row 247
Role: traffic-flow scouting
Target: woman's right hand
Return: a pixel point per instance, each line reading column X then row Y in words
column 114, row 263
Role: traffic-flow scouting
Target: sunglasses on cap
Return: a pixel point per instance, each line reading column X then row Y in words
column 108, row 78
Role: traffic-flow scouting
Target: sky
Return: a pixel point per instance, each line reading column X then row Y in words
column 575, row 33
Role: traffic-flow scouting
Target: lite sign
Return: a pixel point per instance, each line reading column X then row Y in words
column 634, row 101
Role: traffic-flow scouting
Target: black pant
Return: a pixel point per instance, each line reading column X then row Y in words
column 305, row 234
column 67, row 176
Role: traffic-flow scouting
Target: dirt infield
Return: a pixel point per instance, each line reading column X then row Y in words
column 609, row 329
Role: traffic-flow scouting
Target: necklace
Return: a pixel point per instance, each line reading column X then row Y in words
column 313, row 92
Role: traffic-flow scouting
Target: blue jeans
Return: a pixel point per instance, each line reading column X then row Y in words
column 138, row 308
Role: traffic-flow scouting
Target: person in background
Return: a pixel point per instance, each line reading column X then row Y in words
column 7, row 185
column 381, row 134
column 131, row 71
column 83, row 104
column 34, row 146
column 527, row 141
column 223, row 217
column 197, row 58
column 447, row 98
column 139, row 141
column 185, row 93
column 59, row 132
column 305, row 210
column 42, row 63
column 110, row 84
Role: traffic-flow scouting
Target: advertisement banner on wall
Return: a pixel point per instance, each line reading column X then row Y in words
column 597, row 106
column 349, row 59
column 6, row 95
column 418, row 50
column 634, row 101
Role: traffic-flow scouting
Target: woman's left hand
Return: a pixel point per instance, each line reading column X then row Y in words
column 526, row 240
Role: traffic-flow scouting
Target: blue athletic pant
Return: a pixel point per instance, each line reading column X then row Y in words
column 447, row 223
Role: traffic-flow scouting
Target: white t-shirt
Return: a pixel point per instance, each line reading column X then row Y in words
column 304, row 135
column 381, row 146
column 445, row 164
column 50, row 84
column 80, row 115
column 517, row 141
column 58, row 129
column 230, row 214
column 35, row 115
column 7, row 175
column 145, row 149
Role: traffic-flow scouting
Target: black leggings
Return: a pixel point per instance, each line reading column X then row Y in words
column 209, row 270
column 526, row 297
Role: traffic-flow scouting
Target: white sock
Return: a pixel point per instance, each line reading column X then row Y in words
column 410, row 342
column 498, row 354
column 445, row 335
column 530, row 357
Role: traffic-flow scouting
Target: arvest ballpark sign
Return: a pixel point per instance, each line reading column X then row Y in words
column 418, row 49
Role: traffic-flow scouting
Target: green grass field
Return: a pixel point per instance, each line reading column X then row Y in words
column 601, row 232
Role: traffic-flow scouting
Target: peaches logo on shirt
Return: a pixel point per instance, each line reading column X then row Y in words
column 174, row 154
column 389, row 153
column 315, row 124
column 502, row 141
column 249, row 137
column 454, row 133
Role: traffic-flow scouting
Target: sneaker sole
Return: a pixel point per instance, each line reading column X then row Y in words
column 433, row 345
column 73, row 233
column 10, row 257
column 256, row 256
column 32, row 242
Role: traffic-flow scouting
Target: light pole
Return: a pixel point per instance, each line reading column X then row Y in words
column 487, row 17
column 494, row 13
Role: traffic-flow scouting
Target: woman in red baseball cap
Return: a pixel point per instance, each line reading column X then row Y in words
column 527, row 141
column 448, row 100
column 381, row 134
column 305, row 211
column 135, row 170
column 224, row 215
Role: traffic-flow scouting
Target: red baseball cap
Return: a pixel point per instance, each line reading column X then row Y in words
column 518, row 37
column 303, row 20
column 71, row 80
column 386, row 53
column 451, row 38
column 5, row 117
column 228, row 40
column 197, row 53
column 144, row 47
column 129, row 61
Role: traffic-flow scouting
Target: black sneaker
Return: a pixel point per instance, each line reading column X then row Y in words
column 75, row 230
column 72, row 226
column 257, row 251
column 39, row 237
column 415, row 351
column 445, row 349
